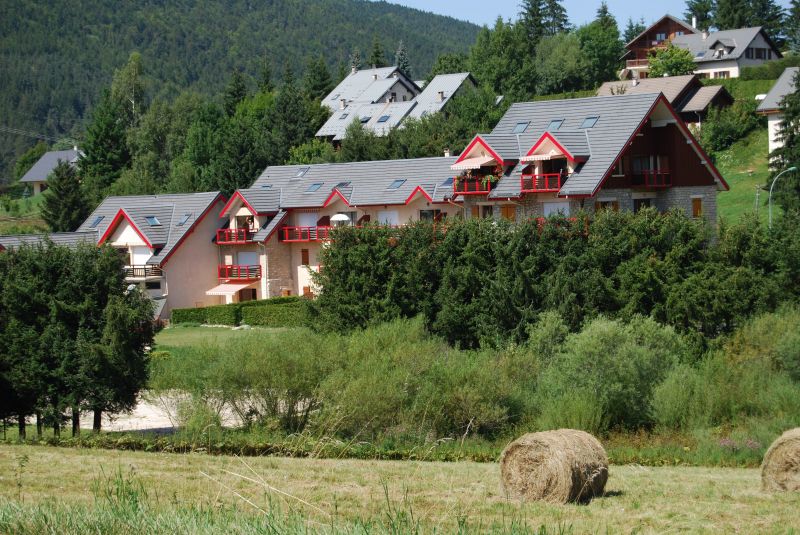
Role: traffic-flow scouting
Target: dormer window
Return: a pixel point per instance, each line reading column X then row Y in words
column 152, row 221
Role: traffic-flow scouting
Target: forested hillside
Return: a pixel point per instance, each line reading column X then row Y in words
column 56, row 58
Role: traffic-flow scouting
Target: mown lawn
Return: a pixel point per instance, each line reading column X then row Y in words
column 342, row 495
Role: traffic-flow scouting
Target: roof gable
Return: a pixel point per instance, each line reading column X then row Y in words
column 45, row 165
column 666, row 18
column 783, row 86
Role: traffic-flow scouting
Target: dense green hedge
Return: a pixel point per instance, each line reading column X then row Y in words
column 275, row 312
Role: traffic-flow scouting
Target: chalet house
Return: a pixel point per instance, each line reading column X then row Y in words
column 166, row 243
column 687, row 94
column 273, row 231
column 38, row 174
column 719, row 54
column 615, row 152
column 771, row 104
column 382, row 98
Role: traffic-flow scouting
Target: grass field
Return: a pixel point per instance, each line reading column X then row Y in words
column 349, row 495
column 24, row 217
column 744, row 167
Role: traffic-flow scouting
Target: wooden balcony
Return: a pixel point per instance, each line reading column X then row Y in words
column 544, row 183
column 234, row 236
column 637, row 63
column 657, row 178
column 305, row 234
column 142, row 272
column 235, row 272
column 471, row 186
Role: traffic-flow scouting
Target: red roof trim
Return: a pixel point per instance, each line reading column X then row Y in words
column 240, row 196
column 485, row 145
column 197, row 221
column 559, row 146
column 121, row 214
column 420, row 190
column 331, row 197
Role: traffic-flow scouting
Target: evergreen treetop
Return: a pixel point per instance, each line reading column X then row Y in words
column 65, row 206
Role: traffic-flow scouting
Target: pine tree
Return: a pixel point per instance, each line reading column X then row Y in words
column 532, row 20
column 633, row 29
column 291, row 125
column 602, row 47
column 317, row 81
column 105, row 149
column 265, row 84
column 787, row 191
column 355, row 60
column 793, row 26
column 377, row 58
column 235, row 92
column 401, row 59
column 730, row 14
column 770, row 16
column 555, row 17
column 702, row 10
column 64, row 207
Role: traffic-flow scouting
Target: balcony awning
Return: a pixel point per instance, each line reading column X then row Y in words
column 540, row 157
column 229, row 288
column 471, row 163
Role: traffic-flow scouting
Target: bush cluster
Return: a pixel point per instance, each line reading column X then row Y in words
column 274, row 312
column 483, row 282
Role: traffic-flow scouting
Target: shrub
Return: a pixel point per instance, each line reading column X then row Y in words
column 770, row 70
column 224, row 314
column 287, row 314
column 725, row 126
column 188, row 315
column 616, row 366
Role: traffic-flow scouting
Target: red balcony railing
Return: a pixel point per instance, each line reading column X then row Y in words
column 637, row 63
column 234, row 235
column 305, row 234
column 547, row 182
column 471, row 186
column 238, row 272
column 657, row 178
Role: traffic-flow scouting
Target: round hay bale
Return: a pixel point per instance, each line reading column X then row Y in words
column 565, row 465
column 781, row 467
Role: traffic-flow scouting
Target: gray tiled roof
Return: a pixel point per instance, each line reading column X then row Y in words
column 337, row 124
column 703, row 50
column 58, row 238
column 701, row 99
column 264, row 233
column 428, row 101
column 783, row 86
column 170, row 209
column 357, row 86
column 576, row 142
column 262, row 199
column 47, row 163
column 672, row 86
column 362, row 183
column 618, row 119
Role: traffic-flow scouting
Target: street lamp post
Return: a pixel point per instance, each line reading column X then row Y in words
column 770, row 191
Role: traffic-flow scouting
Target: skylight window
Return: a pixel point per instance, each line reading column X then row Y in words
column 365, row 120
column 589, row 122
column 448, row 182
column 152, row 221
column 397, row 183
column 301, row 172
column 343, row 116
column 183, row 220
column 700, row 54
column 383, row 118
column 97, row 221
column 521, row 127
column 341, row 185
column 334, row 97
column 266, row 186
column 555, row 124
column 313, row 187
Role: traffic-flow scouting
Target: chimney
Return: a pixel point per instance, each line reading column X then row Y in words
column 441, row 96
column 634, row 82
column 705, row 35
column 694, row 22
column 75, row 148
column 374, row 76
column 353, row 69
column 342, row 103
column 446, row 153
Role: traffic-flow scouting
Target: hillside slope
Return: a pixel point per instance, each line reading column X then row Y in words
column 56, row 57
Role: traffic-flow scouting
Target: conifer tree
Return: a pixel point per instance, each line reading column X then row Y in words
column 64, row 207
column 401, row 59
column 377, row 58
column 235, row 92
column 602, row 47
column 730, row 14
column 787, row 191
column 317, row 81
column 265, row 84
column 633, row 29
column 770, row 16
column 291, row 125
column 792, row 26
column 702, row 10
column 105, row 150
column 355, row 60
column 555, row 17
column 532, row 20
